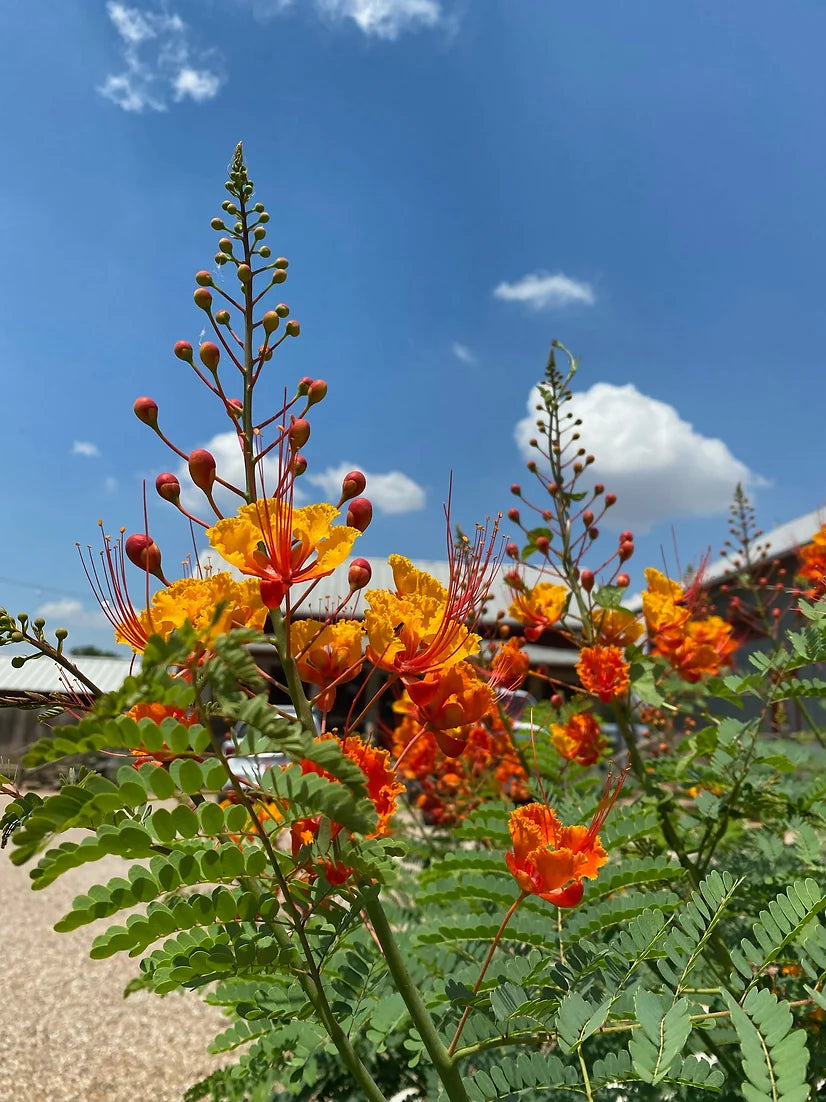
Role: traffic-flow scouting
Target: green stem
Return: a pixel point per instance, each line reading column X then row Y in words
column 443, row 1063
column 247, row 434
column 303, row 709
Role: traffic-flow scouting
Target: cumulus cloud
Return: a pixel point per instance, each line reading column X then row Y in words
column 68, row 610
column 392, row 492
column 159, row 61
column 85, row 447
column 230, row 466
column 385, row 19
column 463, row 353
column 656, row 463
column 542, row 291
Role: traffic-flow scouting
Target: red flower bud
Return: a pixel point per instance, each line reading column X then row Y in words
column 279, row 275
column 299, row 465
column 587, row 518
column 610, row 499
column 270, row 321
column 359, row 574
column 593, row 532
column 235, row 406
column 146, row 410
column 543, row 544
column 557, row 701
column 599, row 489
column 512, row 551
column 292, row 328
column 202, row 468
column 298, row 433
column 513, row 514
column 272, row 592
column 623, row 581
column 168, row 487
column 626, row 535
column 352, row 485
column 317, row 391
column 203, row 298
column 203, row 279
column 586, row 579
column 304, row 385
column 142, row 550
column 531, row 466
column 183, row 350
column 516, row 489
column 626, row 550
column 210, row 355
column 360, row 513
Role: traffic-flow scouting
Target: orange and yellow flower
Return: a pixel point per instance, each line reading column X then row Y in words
column 580, row 739
column 383, row 784
column 158, row 712
column 539, row 608
column 616, row 627
column 551, row 860
column 450, row 702
column 510, row 666
column 813, row 564
column 604, row 672
column 283, row 546
column 327, row 654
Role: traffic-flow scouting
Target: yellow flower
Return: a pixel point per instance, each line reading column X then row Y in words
column 327, row 653
column 616, row 626
column 281, row 545
column 539, row 608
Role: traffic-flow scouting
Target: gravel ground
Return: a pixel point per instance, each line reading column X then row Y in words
column 66, row 1032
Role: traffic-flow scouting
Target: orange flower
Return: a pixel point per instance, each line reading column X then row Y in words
column 197, row 601
column 538, row 608
column 449, row 702
column 661, row 604
column 420, row 628
column 327, row 653
column 383, row 785
column 813, row 564
column 510, row 666
column 580, row 739
column 282, row 546
column 704, row 648
column 603, row 671
column 158, row 713
column 616, row 627
column 551, row 860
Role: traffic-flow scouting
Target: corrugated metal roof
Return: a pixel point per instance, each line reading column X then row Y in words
column 781, row 540
column 45, row 676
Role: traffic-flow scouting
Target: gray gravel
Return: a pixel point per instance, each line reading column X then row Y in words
column 66, row 1032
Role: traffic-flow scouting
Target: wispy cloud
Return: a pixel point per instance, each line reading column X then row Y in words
column 159, row 61
column 659, row 466
column 463, row 353
column 229, row 462
column 69, row 611
column 85, row 447
column 542, row 291
column 391, row 492
column 386, row 19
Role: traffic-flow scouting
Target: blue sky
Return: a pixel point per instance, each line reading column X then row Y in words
column 455, row 182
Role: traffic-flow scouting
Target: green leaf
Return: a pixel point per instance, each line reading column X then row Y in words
column 664, row 1032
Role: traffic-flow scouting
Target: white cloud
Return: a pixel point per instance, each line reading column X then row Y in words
column 392, row 492
column 463, row 353
column 110, row 484
column 385, row 19
column 657, row 464
column 71, row 612
column 84, row 447
column 541, row 291
column 159, row 61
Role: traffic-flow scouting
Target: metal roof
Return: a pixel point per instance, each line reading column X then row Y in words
column 42, row 675
column 787, row 537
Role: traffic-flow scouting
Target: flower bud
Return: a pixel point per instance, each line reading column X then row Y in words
column 587, row 518
column 359, row 574
column 516, row 489
column 299, row 465
column 513, row 514
column 282, row 262
column 235, row 406
column 265, row 352
column 304, row 385
column 543, row 545
column 168, row 487
column 593, row 532
column 142, row 550
column 599, row 489
column 202, row 469
column 610, row 499
column 217, row 223
column 222, row 317
column 282, row 309
column 244, row 272
column 557, row 701
column 353, row 484
column 512, row 551
column 270, row 321
column 292, row 329
column 626, row 550
column 360, row 513
column 146, row 410
column 279, row 275
column 531, row 465
column 586, row 580
column 183, row 350
column 272, row 592
column 626, row 535
column 203, row 279
column 318, row 390
column 210, row 355
column 225, row 245
column 623, row 581
column 298, row 433
column 259, row 233
column 265, row 252
column 203, row 298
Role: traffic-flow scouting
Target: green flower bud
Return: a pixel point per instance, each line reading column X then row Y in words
column 225, row 245
column 265, row 251
column 282, row 309
column 222, row 317
column 292, row 328
column 282, row 262
column 203, row 279
column 259, row 233
column 244, row 273
column 271, row 320
column 279, row 275
column 203, row 299
column 217, row 224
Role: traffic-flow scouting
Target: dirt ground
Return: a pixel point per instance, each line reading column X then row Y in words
column 66, row 1032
